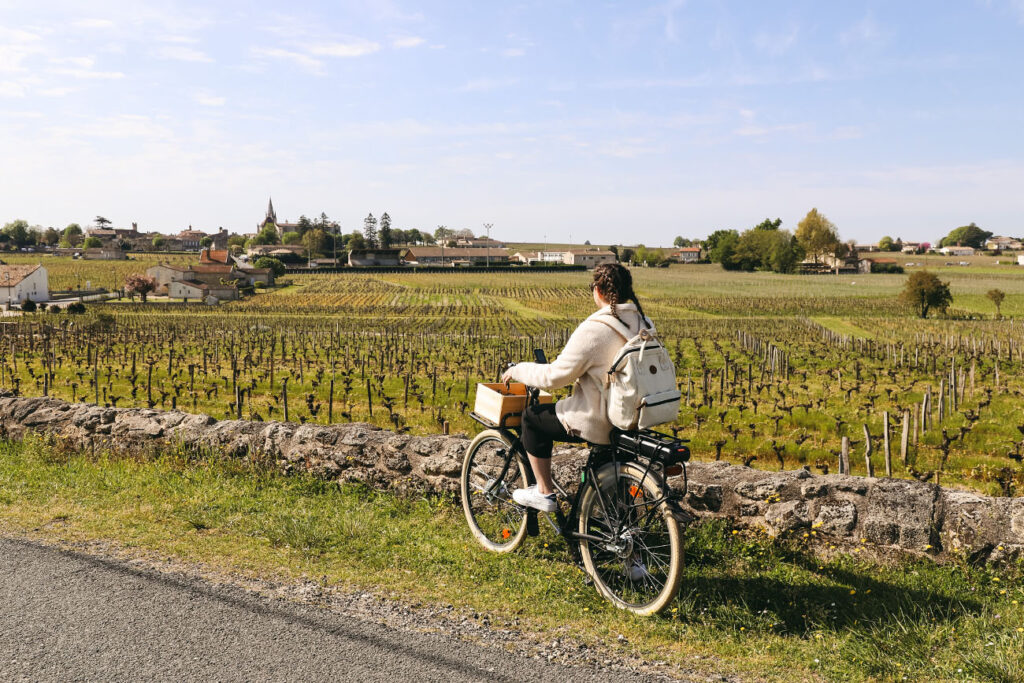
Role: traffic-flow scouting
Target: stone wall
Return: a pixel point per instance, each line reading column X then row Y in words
column 879, row 515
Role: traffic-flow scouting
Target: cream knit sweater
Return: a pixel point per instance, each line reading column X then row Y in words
column 585, row 361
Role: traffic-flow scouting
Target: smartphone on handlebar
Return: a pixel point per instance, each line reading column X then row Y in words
column 539, row 357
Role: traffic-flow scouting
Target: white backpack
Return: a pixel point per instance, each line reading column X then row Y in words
column 642, row 389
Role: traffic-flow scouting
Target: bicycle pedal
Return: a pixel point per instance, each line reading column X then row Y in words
column 532, row 527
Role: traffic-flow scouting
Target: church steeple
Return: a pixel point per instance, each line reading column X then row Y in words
column 271, row 215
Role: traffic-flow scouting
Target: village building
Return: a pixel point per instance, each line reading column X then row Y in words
column 286, row 250
column 102, row 254
column 685, row 255
column 591, row 258
column 1000, row 243
column 214, row 255
column 201, row 291
column 271, row 219
column 20, row 283
column 910, row 247
column 957, row 251
column 213, row 274
column 468, row 256
column 375, row 257
column 479, row 242
column 540, row 257
column 866, row 247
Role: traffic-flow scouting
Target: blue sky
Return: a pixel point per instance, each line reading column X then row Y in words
column 610, row 121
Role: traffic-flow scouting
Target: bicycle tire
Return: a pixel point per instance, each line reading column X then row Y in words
column 496, row 521
column 650, row 536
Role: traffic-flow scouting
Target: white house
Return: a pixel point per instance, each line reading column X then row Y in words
column 18, row 283
column 591, row 258
column 686, row 254
column 957, row 251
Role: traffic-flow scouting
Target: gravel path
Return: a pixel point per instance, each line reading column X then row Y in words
column 67, row 615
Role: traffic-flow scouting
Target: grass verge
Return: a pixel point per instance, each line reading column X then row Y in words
column 761, row 608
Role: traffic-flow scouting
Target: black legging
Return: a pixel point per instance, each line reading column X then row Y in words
column 541, row 428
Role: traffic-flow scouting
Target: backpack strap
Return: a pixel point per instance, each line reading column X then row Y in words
column 613, row 328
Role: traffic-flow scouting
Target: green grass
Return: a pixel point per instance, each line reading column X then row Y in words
column 761, row 608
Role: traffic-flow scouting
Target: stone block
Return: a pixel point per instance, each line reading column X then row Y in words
column 786, row 516
column 704, row 497
column 837, row 518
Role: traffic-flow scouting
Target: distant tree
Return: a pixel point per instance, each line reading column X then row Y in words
column 966, row 236
column 268, row 235
column 679, row 241
column 355, row 241
column 17, row 232
column 625, row 255
column 93, row 243
column 924, row 291
column 721, row 245
column 385, row 235
column 305, row 225
column 269, row 262
column 586, row 242
column 139, row 283
column 769, row 224
column 816, row 234
column 124, row 245
column 236, row 241
column 426, row 237
column 206, row 242
column 101, row 222
column 996, row 296
column 51, row 237
column 28, row 306
column 412, row 236
column 886, row 244
column 763, row 249
column 370, row 231
column 76, row 308
column 293, row 237
column 73, row 234
column 314, row 241
column 464, row 234
column 159, row 242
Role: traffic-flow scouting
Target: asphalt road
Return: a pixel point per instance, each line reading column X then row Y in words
column 72, row 617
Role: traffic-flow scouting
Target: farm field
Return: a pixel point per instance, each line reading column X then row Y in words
column 774, row 369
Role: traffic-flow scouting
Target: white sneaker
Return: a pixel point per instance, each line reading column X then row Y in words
column 532, row 498
column 637, row 571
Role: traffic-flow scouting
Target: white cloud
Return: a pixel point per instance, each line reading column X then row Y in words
column 182, row 54
column 762, row 131
column 308, row 63
column 864, row 31
column 12, row 89
column 411, row 41
column 93, row 23
column 357, row 48
column 513, row 52
column 88, row 74
column 208, row 100
column 777, row 44
column 487, row 84
column 59, row 91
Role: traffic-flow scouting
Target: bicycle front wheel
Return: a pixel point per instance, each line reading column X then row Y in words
column 497, row 522
column 638, row 562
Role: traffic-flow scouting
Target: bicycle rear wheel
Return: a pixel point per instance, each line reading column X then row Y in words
column 638, row 563
column 497, row 522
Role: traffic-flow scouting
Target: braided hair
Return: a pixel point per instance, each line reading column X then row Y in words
column 615, row 284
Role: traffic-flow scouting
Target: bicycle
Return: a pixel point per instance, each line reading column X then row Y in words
column 622, row 524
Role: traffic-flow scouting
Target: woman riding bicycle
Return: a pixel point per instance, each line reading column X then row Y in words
column 584, row 362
